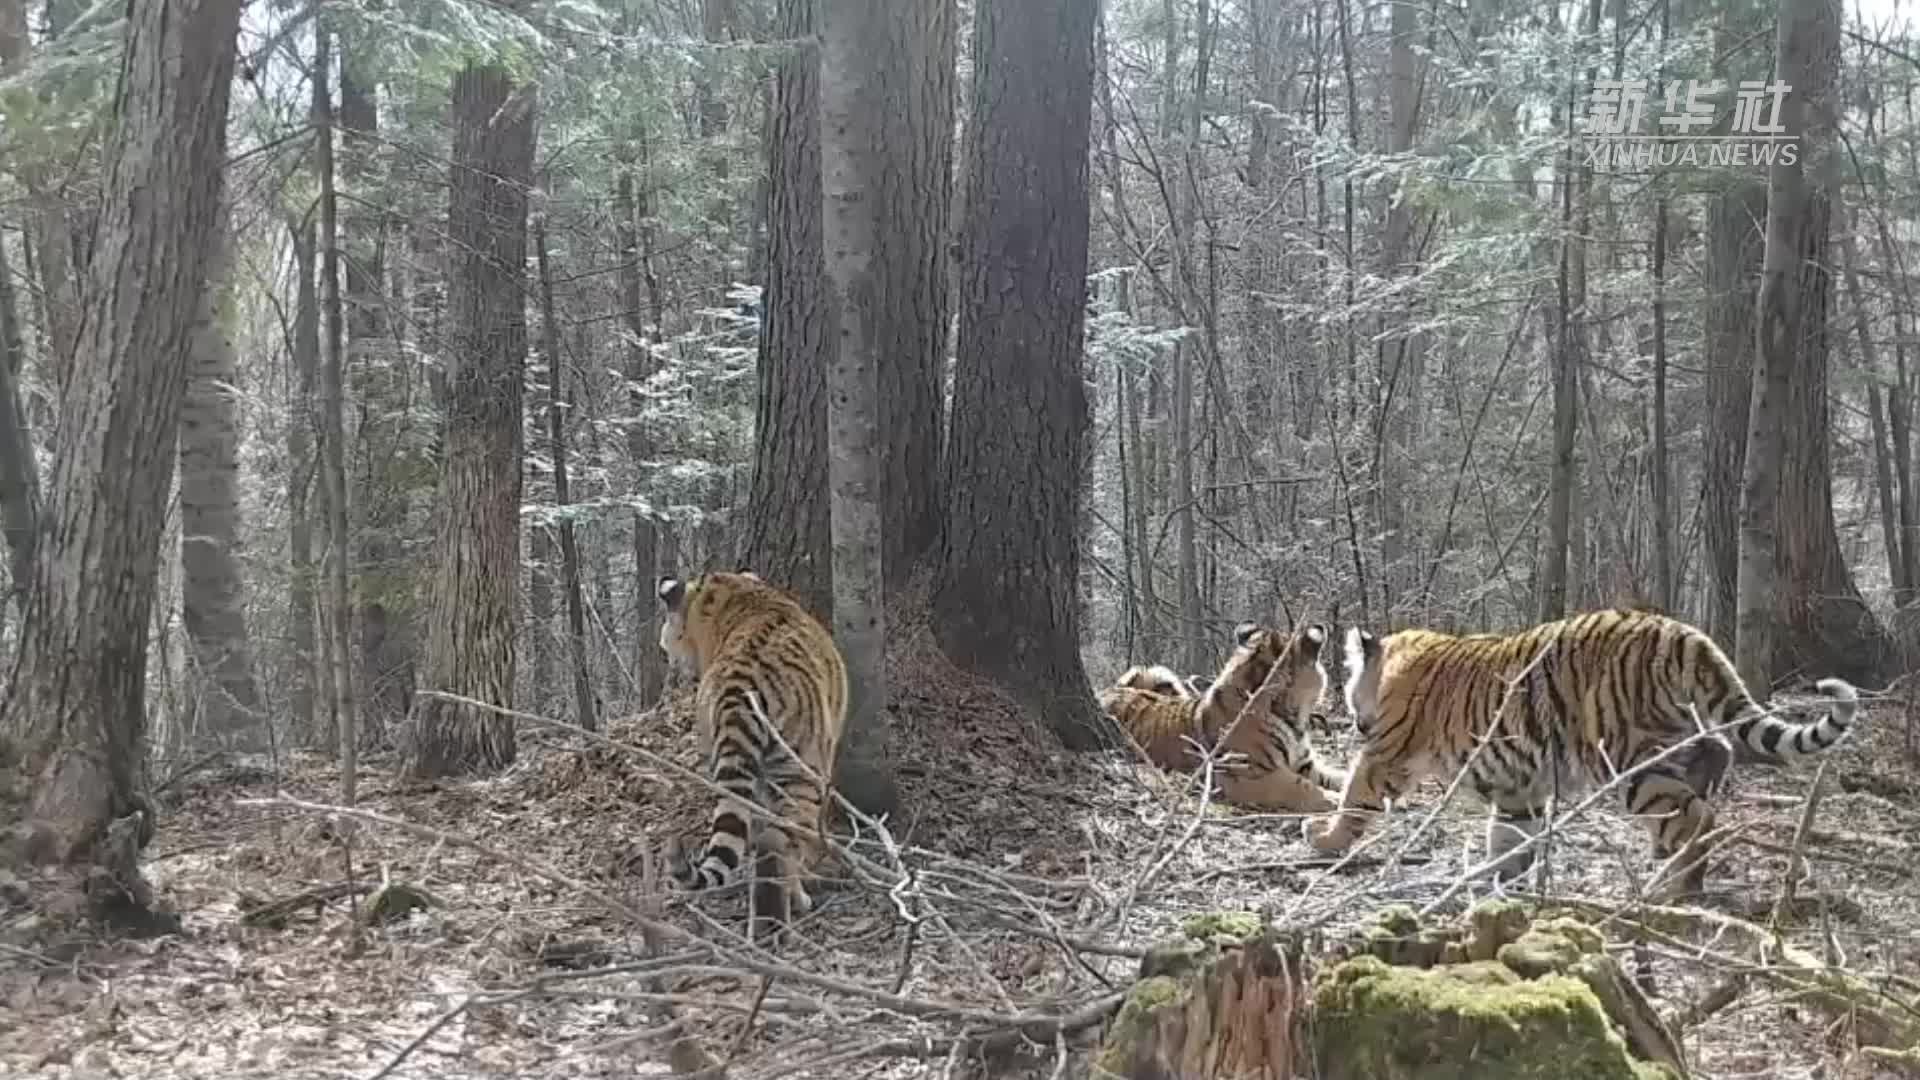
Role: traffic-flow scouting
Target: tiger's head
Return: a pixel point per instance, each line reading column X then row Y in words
column 1366, row 655
column 1156, row 679
column 697, row 613
column 1292, row 660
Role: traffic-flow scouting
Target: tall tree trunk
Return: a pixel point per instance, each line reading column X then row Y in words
column 301, row 467
column 335, row 629
column 213, row 600
column 912, row 182
column 1786, row 410
column 76, row 704
column 583, row 711
column 787, row 539
column 1662, row 467
column 470, row 646
column 1005, row 601
column 861, row 81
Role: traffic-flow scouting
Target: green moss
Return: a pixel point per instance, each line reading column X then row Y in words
column 1495, row 923
column 1134, row 1020
column 1539, row 952
column 1475, row 1021
column 1235, row 925
column 1584, row 937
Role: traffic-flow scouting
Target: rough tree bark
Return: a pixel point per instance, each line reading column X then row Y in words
column 1821, row 624
column 1797, row 605
column 1005, row 601
column 470, row 645
column 911, row 183
column 855, row 93
column 213, row 600
column 76, row 704
column 787, row 538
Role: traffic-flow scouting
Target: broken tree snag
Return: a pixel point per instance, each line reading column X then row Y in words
column 1217, row 1002
column 1497, row 996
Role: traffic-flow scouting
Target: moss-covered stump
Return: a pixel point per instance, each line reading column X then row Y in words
column 1217, row 1001
column 1493, row 997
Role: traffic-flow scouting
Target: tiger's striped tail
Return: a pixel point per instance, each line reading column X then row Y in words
column 1783, row 740
column 739, row 760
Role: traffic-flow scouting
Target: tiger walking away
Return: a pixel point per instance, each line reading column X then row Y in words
column 1278, row 769
column 1582, row 699
column 760, row 658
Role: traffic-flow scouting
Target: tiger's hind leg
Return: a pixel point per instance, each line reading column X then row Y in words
column 1672, row 797
column 795, row 852
column 1512, row 821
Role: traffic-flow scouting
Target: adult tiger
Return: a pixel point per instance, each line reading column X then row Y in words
column 1280, row 770
column 760, row 658
column 1581, row 699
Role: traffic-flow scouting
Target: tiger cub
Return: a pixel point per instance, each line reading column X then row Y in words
column 1158, row 679
column 1582, row 699
column 1280, row 770
column 745, row 639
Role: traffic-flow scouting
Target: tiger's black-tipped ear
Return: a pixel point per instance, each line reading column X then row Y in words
column 1244, row 632
column 1313, row 638
column 672, row 592
column 747, row 572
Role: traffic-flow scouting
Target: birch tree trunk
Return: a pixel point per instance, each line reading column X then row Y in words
column 76, row 705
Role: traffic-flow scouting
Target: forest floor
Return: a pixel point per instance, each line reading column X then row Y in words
column 1038, row 877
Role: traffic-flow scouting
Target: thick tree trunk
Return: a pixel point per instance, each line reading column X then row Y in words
column 787, row 538
column 912, row 182
column 470, row 646
column 557, row 409
column 859, row 69
column 1005, row 600
column 301, row 467
column 1792, row 578
column 76, row 705
column 213, row 601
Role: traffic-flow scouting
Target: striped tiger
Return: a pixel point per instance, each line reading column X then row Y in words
column 1579, row 700
column 1279, row 770
column 750, row 643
